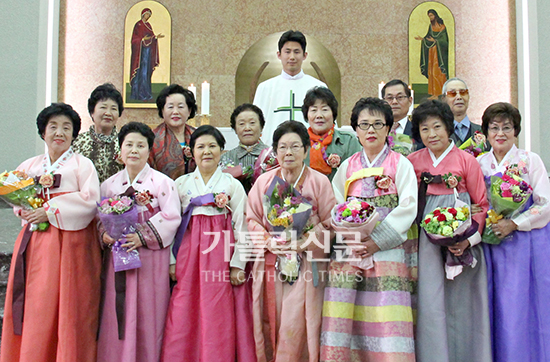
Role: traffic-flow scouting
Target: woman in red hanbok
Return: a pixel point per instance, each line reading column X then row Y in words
column 55, row 274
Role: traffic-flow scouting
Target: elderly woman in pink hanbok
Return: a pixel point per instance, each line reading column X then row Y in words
column 287, row 317
column 136, row 300
column 367, row 312
column 55, row 274
column 518, row 268
column 453, row 315
column 210, row 316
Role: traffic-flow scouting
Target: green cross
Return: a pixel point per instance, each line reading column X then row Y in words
column 291, row 109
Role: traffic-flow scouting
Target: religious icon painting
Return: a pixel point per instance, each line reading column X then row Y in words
column 431, row 49
column 147, row 51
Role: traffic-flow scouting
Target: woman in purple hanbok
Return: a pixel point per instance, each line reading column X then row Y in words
column 136, row 300
column 519, row 267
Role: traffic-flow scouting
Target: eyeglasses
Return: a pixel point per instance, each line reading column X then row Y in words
column 376, row 125
column 284, row 148
column 505, row 129
column 453, row 93
column 400, row 98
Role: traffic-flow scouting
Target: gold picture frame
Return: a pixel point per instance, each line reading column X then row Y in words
column 147, row 53
column 431, row 49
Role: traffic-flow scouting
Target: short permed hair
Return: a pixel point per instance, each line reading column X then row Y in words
column 247, row 107
column 57, row 109
column 291, row 127
column 499, row 112
column 432, row 108
column 372, row 105
column 136, row 127
column 324, row 94
column 292, row 35
column 206, row 130
column 104, row 92
column 175, row 89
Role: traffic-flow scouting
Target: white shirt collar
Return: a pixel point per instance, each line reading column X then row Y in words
column 285, row 75
column 377, row 156
column 402, row 125
column 437, row 161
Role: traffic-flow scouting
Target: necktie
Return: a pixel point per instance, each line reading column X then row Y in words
column 395, row 126
column 461, row 131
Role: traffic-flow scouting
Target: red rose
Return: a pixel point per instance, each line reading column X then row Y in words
column 334, row 160
column 441, row 217
column 437, row 212
column 452, row 211
column 364, row 205
column 427, row 221
column 143, row 198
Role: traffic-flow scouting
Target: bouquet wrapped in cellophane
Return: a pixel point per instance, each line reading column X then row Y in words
column 400, row 143
column 287, row 214
column 119, row 216
column 475, row 145
column 446, row 226
column 18, row 189
column 266, row 161
column 508, row 194
column 354, row 216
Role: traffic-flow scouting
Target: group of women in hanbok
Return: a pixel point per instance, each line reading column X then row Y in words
column 198, row 226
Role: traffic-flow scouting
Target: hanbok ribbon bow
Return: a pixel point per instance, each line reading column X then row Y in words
column 425, row 179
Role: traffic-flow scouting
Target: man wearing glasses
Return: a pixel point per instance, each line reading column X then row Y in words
column 455, row 93
column 398, row 95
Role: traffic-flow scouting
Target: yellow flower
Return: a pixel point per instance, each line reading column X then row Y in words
column 287, row 201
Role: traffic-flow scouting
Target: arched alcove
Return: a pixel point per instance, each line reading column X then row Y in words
column 260, row 63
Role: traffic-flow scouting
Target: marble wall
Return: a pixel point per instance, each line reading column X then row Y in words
column 368, row 39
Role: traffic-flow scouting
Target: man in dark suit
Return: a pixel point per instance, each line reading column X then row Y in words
column 398, row 95
column 456, row 94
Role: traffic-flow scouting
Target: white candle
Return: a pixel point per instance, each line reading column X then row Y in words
column 205, row 98
column 411, row 108
column 193, row 90
column 380, row 86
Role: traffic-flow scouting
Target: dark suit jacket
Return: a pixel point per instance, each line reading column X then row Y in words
column 473, row 127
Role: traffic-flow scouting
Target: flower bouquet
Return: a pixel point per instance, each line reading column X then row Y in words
column 266, row 161
column 475, row 145
column 237, row 171
column 508, row 194
column 287, row 213
column 354, row 216
column 446, row 226
column 119, row 215
column 17, row 189
column 400, row 143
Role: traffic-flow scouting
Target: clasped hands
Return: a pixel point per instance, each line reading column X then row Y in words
column 34, row 216
column 132, row 241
